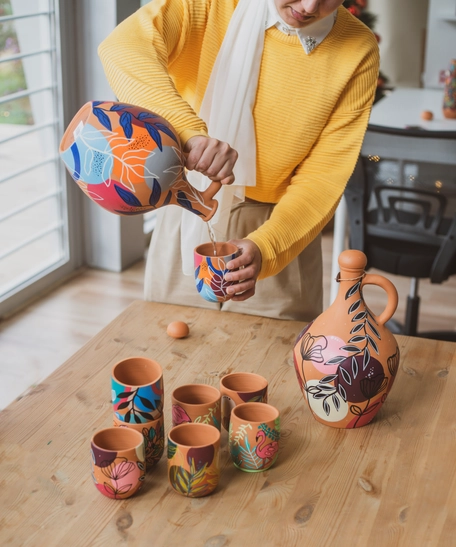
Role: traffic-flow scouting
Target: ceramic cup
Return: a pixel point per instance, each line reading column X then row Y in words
column 254, row 436
column 154, row 438
column 210, row 270
column 198, row 403
column 118, row 461
column 193, row 459
column 241, row 387
column 137, row 390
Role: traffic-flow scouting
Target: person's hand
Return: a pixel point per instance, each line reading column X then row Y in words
column 214, row 158
column 249, row 264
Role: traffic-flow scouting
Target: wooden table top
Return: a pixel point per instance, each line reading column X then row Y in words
column 392, row 482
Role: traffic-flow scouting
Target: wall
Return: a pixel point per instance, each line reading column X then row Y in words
column 402, row 27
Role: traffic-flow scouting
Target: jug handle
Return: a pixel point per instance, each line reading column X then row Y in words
column 210, row 192
column 391, row 292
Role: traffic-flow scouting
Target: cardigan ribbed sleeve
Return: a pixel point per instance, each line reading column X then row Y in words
column 310, row 114
column 319, row 181
column 139, row 54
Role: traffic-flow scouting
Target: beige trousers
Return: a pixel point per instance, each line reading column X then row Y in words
column 295, row 293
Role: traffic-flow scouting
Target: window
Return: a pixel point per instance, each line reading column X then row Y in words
column 34, row 229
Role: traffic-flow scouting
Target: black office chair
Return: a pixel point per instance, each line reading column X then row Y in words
column 402, row 215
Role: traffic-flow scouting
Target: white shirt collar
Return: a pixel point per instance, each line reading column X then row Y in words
column 310, row 36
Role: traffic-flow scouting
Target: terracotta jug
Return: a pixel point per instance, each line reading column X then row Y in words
column 346, row 359
column 449, row 97
column 129, row 161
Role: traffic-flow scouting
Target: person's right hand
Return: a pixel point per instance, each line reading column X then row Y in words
column 213, row 158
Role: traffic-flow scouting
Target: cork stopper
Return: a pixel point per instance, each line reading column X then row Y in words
column 352, row 261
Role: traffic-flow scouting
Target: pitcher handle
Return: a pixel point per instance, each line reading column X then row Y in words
column 210, row 192
column 391, row 292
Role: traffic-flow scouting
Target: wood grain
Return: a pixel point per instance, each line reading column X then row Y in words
column 389, row 483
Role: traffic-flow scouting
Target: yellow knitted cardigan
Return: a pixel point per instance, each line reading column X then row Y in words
column 310, row 114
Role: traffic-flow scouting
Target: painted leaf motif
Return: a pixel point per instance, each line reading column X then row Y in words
column 103, row 118
column 145, row 115
column 326, row 408
column 184, row 202
column 366, row 358
column 127, row 197
column 355, row 368
column 125, row 394
column 354, row 306
column 117, row 107
column 350, row 348
column 336, row 360
column 167, row 131
column 137, row 418
column 372, row 343
column 336, row 402
column 123, row 405
column 374, row 330
column 154, row 134
column 156, row 193
column 360, row 315
column 146, row 415
column 357, row 328
column 353, row 290
column 328, row 378
column 172, row 448
column 146, row 402
column 97, row 103
column 327, row 388
column 125, row 122
column 357, row 339
column 345, row 375
column 168, row 198
column 355, row 409
column 342, row 392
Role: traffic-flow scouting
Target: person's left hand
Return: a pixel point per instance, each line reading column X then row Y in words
column 249, row 264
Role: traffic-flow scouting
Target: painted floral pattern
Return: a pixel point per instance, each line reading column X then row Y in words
column 117, row 477
column 194, row 472
column 143, row 404
column 257, row 456
column 210, row 277
column 352, row 379
column 129, row 160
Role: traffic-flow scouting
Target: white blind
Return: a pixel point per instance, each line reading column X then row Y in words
column 33, row 210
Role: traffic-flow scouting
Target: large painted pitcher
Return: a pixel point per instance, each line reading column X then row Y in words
column 346, row 360
column 129, row 161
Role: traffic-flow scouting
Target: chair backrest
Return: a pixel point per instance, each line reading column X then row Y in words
column 410, row 204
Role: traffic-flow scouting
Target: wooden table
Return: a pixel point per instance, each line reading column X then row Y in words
column 390, row 483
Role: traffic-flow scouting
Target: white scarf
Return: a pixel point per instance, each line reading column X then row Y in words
column 228, row 102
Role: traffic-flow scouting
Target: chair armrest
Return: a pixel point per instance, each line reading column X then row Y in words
column 355, row 200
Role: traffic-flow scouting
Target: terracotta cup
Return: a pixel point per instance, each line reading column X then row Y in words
column 154, row 438
column 241, row 387
column 254, row 436
column 193, row 459
column 210, row 270
column 137, row 390
column 118, row 461
column 198, row 403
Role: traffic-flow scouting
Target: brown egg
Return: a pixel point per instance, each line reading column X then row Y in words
column 427, row 115
column 177, row 329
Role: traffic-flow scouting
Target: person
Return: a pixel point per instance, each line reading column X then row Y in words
column 313, row 88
